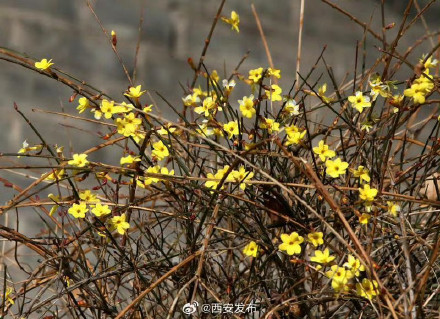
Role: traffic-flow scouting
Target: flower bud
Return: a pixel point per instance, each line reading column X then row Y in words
column 114, row 38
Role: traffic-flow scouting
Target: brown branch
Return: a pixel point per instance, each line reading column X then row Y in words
column 135, row 302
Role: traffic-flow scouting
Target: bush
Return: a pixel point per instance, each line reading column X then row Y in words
column 317, row 201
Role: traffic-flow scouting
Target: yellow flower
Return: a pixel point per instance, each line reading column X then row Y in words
column 366, row 126
column 359, row 102
column 7, row 296
column 160, row 151
column 362, row 173
column 165, row 171
column 291, row 108
column 248, row 146
column 430, row 63
column 322, row 257
column 231, row 128
column 207, row 105
column 247, row 106
column 316, row 238
column 323, row 151
column 426, row 79
column 214, row 77
column 228, row 85
column 367, row 289
column 78, row 210
column 108, row 108
column 339, row 277
column 275, row 93
column 364, row 219
column 340, row 286
column 148, row 108
column 55, row 176
column 321, row 93
column 251, row 249
column 101, row 210
column 145, row 181
column 214, row 180
column 218, row 132
column 354, row 265
column 274, row 72
column 255, row 75
column 138, row 137
column 134, row 92
column 129, row 125
column 43, row 64
column 125, row 108
column 242, row 176
column 26, row 148
column 131, row 122
column 166, row 129
column 420, row 88
column 396, row 100
column 336, row 167
column 103, row 175
column 88, row 196
column 79, row 160
column 393, row 209
column 191, row 99
column 291, row 129
column 213, row 94
column 119, row 223
column 417, row 92
column 270, row 125
column 59, row 150
column 367, row 194
column 97, row 114
column 234, row 21
column 199, row 92
column 56, row 199
column 83, row 104
column 377, row 87
column 129, row 160
column 291, row 243
column 204, row 130
column 338, row 274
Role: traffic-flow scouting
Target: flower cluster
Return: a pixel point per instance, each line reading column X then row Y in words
column 261, row 155
column 240, row 176
column 341, row 276
column 90, row 202
column 153, row 175
column 420, row 88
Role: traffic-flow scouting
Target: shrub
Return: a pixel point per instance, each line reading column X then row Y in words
column 316, row 201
